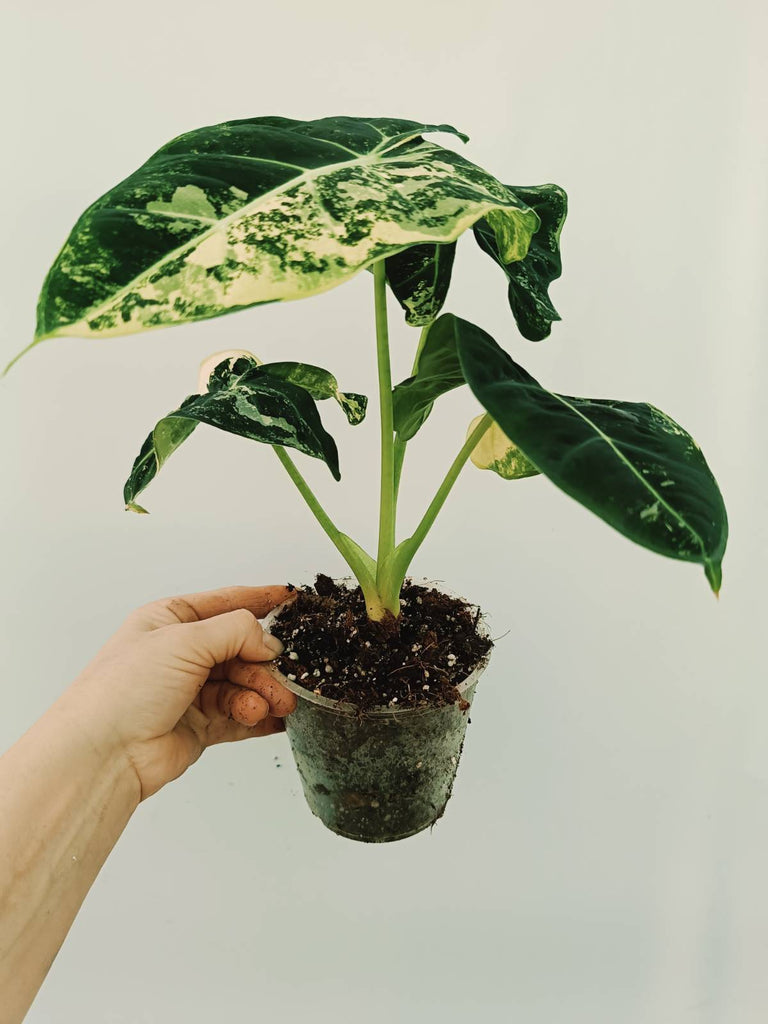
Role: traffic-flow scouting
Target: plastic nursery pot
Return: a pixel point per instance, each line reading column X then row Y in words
column 379, row 775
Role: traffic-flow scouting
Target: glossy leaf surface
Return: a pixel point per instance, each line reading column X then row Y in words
column 438, row 370
column 628, row 462
column 320, row 384
column 242, row 399
column 530, row 278
column 419, row 278
column 262, row 210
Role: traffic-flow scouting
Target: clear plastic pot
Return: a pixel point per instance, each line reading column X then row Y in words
column 379, row 775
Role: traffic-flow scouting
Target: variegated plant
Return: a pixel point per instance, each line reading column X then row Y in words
column 269, row 209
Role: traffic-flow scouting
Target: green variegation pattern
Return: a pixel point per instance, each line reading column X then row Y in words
column 320, row 384
column 244, row 399
column 419, row 278
column 266, row 209
column 496, row 452
column 626, row 461
column 530, row 278
column 438, row 370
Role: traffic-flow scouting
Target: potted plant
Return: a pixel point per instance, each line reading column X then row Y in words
column 269, row 209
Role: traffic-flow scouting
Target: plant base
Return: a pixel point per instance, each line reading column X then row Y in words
column 383, row 773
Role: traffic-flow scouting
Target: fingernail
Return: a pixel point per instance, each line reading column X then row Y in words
column 273, row 644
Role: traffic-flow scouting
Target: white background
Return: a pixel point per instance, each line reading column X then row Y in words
column 603, row 858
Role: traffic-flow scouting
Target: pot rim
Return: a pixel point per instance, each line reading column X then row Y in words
column 345, row 707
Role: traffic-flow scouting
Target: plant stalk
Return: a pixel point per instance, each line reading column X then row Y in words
column 387, row 487
column 401, row 445
column 416, row 539
column 359, row 561
column 308, row 495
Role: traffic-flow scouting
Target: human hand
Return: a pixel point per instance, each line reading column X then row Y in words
column 182, row 674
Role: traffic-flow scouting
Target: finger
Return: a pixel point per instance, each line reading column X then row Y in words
column 217, row 706
column 231, row 732
column 209, row 700
column 243, row 706
column 207, row 604
column 265, row 680
column 210, row 642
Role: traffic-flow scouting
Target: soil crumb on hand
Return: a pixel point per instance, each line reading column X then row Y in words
column 416, row 660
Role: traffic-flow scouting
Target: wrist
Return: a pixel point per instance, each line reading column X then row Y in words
column 94, row 746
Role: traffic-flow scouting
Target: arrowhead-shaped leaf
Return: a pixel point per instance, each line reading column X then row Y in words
column 266, row 209
column 419, row 278
column 626, row 461
column 529, row 278
column 242, row 399
column 496, row 452
column 438, row 370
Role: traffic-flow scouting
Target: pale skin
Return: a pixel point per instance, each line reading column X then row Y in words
column 180, row 675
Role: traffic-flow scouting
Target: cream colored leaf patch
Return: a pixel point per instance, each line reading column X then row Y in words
column 230, row 355
column 271, row 209
column 495, row 451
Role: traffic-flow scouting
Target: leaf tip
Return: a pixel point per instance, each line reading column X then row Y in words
column 714, row 573
column 18, row 356
column 131, row 506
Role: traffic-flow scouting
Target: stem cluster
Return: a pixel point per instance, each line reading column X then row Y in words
column 381, row 579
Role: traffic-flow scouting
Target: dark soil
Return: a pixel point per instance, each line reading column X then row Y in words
column 416, row 660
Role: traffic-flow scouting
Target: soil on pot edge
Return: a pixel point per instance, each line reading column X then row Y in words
column 417, row 660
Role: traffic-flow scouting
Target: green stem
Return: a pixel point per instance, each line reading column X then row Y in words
column 308, row 495
column 387, row 489
column 415, row 541
column 361, row 563
column 401, row 445
column 399, row 451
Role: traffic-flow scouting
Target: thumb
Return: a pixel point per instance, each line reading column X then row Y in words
column 233, row 634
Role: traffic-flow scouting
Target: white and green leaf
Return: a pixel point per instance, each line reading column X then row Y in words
column 320, row 383
column 223, row 362
column 242, row 398
column 263, row 210
column 496, row 452
column 627, row 462
column 419, row 278
column 529, row 279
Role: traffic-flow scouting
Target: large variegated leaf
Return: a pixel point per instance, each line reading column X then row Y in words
column 438, row 370
column 419, row 278
column 266, row 209
column 244, row 399
column 496, row 452
column 530, row 278
column 626, row 461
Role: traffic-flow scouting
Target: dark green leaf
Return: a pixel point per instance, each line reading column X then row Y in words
column 320, row 384
column 626, row 461
column 438, row 370
column 529, row 278
column 262, row 210
column 242, row 399
column 419, row 278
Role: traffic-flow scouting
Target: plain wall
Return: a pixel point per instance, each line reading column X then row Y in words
column 603, row 856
